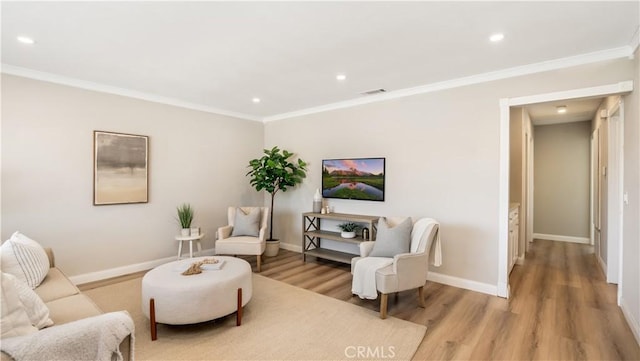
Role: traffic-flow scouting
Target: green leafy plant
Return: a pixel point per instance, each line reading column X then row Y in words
column 273, row 173
column 185, row 215
column 349, row 227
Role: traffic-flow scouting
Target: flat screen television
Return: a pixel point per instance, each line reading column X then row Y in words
column 353, row 178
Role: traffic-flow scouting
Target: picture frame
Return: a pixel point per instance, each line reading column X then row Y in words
column 354, row 179
column 120, row 168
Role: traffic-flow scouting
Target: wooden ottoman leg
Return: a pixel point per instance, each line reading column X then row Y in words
column 152, row 320
column 239, row 313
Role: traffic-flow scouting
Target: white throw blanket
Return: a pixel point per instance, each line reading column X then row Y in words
column 364, row 276
column 364, row 273
column 93, row 338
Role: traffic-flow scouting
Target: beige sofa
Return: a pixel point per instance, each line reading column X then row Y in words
column 66, row 303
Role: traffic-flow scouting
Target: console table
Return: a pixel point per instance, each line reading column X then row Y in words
column 312, row 234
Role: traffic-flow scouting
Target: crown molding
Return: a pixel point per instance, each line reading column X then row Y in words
column 609, row 54
column 635, row 41
column 555, row 64
column 77, row 83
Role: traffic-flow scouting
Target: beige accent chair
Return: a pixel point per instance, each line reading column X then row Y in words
column 243, row 245
column 409, row 270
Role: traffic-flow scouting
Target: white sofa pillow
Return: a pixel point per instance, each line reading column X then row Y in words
column 14, row 321
column 24, row 258
column 34, row 306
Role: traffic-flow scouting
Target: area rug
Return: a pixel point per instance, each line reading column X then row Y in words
column 281, row 322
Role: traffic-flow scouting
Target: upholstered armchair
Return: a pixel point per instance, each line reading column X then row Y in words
column 245, row 234
column 401, row 272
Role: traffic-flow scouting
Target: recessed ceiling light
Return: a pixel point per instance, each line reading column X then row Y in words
column 341, row 77
column 26, row 40
column 256, row 100
column 561, row 109
column 496, row 37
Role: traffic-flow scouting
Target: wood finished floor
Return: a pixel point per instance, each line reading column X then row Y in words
column 561, row 308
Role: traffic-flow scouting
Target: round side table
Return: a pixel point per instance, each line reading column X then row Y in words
column 191, row 239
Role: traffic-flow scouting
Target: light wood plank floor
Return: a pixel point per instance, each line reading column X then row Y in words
column 561, row 309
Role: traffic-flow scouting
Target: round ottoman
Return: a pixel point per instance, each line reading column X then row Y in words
column 171, row 298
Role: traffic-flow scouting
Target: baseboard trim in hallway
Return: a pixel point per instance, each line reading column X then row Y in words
column 559, row 238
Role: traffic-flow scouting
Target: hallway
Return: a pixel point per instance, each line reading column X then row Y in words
column 566, row 308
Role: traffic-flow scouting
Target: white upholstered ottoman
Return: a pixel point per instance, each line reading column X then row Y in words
column 171, row 298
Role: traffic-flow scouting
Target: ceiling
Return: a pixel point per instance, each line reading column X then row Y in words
column 218, row 56
column 578, row 110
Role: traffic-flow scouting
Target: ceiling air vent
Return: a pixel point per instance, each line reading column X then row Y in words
column 374, row 91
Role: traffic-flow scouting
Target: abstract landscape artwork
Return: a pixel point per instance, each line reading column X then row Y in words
column 355, row 178
column 120, row 168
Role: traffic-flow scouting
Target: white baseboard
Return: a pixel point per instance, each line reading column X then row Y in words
column 520, row 261
column 291, row 247
column 125, row 270
column 129, row 269
column 463, row 283
column 555, row 237
column 631, row 321
column 431, row 276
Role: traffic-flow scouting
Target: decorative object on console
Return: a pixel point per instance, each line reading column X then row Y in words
column 348, row 229
column 317, row 201
column 185, row 217
column 274, row 172
column 355, row 178
column 120, row 168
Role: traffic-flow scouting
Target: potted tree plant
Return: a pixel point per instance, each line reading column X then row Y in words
column 273, row 173
column 185, row 216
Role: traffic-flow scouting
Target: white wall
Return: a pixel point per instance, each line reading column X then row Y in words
column 442, row 161
column 561, row 179
column 47, row 165
column 442, row 152
column 630, row 280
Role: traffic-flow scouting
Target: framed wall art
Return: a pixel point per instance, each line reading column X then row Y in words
column 120, row 168
column 353, row 178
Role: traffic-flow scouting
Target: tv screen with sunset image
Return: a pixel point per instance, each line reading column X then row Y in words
column 356, row 178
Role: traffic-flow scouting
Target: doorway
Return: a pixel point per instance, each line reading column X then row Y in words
column 505, row 105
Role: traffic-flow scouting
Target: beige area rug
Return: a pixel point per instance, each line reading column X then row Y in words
column 281, row 322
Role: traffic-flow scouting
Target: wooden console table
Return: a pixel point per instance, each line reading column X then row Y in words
column 312, row 234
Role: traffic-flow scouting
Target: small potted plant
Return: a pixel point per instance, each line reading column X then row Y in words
column 348, row 229
column 185, row 216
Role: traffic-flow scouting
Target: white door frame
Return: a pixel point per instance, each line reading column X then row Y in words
column 503, row 193
column 616, row 164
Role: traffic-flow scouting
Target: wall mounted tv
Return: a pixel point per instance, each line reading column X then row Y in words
column 353, row 178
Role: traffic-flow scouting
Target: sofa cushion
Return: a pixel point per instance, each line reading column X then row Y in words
column 15, row 320
column 56, row 285
column 36, row 309
column 72, row 308
column 25, row 259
